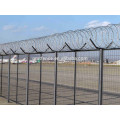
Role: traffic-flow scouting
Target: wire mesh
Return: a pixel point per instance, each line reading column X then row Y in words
column 22, row 76
column 13, row 79
column 5, row 77
column 48, row 78
column 65, row 81
column 34, row 82
column 0, row 76
column 111, row 82
column 87, row 78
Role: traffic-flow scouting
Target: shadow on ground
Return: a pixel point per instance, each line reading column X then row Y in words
column 3, row 101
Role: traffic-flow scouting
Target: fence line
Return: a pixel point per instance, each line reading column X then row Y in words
column 100, row 88
column 47, row 89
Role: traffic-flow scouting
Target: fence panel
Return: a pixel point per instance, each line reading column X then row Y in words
column 111, row 77
column 48, row 78
column 34, row 82
column 65, row 81
column 87, row 77
column 0, row 76
column 13, row 78
column 22, row 76
column 5, row 77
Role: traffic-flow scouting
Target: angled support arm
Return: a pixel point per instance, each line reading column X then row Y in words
column 35, row 49
column 63, row 47
column 83, row 46
column 68, row 46
column 109, row 44
column 22, row 50
column 50, row 48
column 5, row 52
column 94, row 44
column 14, row 52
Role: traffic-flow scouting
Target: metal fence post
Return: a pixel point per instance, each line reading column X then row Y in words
column 75, row 78
column 1, row 74
column 55, row 82
column 9, row 77
column 17, row 79
column 100, row 77
column 27, row 81
column 40, row 78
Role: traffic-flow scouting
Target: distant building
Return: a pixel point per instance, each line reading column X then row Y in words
column 117, row 62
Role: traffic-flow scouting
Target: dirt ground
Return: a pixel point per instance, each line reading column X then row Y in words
column 4, row 101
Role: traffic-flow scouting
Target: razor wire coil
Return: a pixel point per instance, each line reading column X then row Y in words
column 102, row 37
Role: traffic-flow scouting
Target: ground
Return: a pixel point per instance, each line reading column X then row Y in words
column 4, row 101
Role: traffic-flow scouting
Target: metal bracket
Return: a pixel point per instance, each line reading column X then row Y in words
column 50, row 48
column 35, row 49
column 71, row 48
column 46, row 50
column 83, row 46
column 94, row 44
column 23, row 50
column 63, row 47
column 109, row 44
column 68, row 46
column 5, row 52
column 14, row 52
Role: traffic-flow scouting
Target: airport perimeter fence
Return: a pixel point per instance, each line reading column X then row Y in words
column 93, row 79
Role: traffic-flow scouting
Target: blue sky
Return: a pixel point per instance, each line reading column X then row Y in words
column 14, row 28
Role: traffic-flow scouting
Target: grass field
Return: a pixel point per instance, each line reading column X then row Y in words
column 86, row 88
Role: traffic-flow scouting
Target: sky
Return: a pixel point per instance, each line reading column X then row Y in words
column 22, row 27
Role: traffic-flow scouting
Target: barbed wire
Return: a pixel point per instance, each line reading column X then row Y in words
column 106, row 37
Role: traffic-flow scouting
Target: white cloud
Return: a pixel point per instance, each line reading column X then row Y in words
column 14, row 28
column 96, row 23
column 19, row 29
column 8, row 27
column 41, row 28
